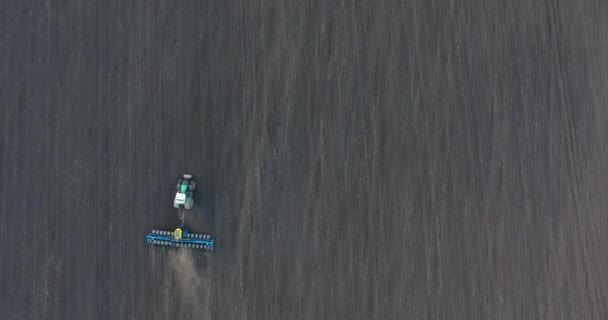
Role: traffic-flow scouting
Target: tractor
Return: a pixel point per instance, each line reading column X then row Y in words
column 181, row 236
column 185, row 190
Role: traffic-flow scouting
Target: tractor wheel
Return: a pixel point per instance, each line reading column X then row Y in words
column 192, row 185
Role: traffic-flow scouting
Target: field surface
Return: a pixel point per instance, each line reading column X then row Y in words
column 355, row 159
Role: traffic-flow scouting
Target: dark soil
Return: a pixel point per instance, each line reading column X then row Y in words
column 355, row 160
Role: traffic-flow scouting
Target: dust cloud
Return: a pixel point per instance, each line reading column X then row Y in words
column 184, row 287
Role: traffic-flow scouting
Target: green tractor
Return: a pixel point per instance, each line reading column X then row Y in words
column 185, row 191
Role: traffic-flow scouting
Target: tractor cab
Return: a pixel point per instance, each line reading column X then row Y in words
column 180, row 198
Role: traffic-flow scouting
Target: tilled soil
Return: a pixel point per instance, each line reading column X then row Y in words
column 355, row 160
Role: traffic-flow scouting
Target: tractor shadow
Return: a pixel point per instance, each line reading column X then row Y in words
column 201, row 218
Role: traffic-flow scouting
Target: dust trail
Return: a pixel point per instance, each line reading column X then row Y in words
column 185, row 286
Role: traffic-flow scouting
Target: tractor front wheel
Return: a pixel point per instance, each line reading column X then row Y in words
column 188, row 204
